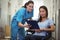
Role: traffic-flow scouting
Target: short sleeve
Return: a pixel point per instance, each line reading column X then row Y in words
column 51, row 22
column 20, row 15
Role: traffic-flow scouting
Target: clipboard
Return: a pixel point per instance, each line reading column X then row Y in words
column 33, row 23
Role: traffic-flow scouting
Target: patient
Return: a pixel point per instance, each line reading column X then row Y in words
column 44, row 23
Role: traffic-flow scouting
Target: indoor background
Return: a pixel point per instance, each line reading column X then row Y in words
column 8, row 8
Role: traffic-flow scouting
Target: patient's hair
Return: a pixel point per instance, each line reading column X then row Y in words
column 45, row 8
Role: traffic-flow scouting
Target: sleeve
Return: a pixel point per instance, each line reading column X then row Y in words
column 51, row 22
column 20, row 15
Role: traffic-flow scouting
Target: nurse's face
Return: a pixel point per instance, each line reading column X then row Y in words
column 30, row 7
column 42, row 12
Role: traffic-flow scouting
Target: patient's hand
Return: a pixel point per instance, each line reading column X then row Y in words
column 37, row 30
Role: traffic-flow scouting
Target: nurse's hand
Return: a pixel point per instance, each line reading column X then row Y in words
column 27, row 25
column 24, row 25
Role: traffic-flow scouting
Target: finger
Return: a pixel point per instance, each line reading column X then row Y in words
column 30, row 26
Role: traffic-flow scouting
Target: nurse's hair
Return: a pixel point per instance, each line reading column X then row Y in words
column 45, row 8
column 27, row 3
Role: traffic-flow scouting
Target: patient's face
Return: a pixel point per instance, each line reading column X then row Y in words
column 42, row 12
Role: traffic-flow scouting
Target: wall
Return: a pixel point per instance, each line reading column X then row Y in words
column 15, row 5
column 37, row 4
column 59, row 3
column 8, row 9
column 4, row 12
column 59, row 20
column 0, row 13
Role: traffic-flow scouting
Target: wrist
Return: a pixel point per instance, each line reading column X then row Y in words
column 42, row 29
column 23, row 25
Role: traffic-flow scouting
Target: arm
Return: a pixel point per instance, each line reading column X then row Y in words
column 52, row 28
column 34, row 30
column 22, row 25
column 19, row 17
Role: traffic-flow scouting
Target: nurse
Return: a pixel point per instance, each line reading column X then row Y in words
column 17, row 24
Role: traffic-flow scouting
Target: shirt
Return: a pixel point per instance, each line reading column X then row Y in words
column 20, row 16
column 45, row 24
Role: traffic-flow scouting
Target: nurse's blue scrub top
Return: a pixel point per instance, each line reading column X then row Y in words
column 20, row 16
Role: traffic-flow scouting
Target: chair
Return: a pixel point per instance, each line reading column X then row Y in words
column 48, row 37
